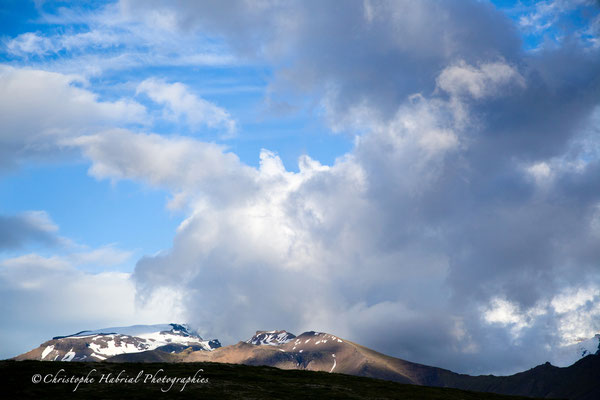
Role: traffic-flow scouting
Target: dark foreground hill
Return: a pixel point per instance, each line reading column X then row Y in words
column 221, row 381
column 580, row 381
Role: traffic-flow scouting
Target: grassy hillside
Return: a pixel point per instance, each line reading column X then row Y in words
column 225, row 381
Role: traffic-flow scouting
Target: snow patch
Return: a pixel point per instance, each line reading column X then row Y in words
column 334, row 364
column 69, row 356
column 271, row 338
column 47, row 351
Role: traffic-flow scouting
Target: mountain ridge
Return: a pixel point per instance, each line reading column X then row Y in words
column 101, row 344
column 320, row 351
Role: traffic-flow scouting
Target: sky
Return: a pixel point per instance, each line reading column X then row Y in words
column 417, row 177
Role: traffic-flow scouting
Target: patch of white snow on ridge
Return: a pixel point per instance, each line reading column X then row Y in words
column 69, row 356
column 111, row 349
column 271, row 338
column 98, row 356
column 157, row 339
column 47, row 351
column 334, row 364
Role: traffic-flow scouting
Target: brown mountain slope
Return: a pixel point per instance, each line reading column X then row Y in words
column 324, row 352
column 313, row 351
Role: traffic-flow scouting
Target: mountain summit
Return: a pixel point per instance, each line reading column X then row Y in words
column 271, row 338
column 100, row 344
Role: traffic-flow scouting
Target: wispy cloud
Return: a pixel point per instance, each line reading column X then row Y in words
column 180, row 103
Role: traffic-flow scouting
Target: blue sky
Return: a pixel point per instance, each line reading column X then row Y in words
column 389, row 167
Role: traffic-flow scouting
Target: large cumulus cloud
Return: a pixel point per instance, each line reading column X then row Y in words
column 451, row 234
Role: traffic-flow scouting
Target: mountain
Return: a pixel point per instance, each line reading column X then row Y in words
column 313, row 351
column 319, row 351
column 98, row 345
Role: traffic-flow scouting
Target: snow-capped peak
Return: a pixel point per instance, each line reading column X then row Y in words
column 271, row 338
column 100, row 344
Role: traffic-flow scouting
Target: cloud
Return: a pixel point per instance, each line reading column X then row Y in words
column 410, row 239
column 553, row 19
column 454, row 232
column 33, row 226
column 46, row 296
column 372, row 53
column 107, row 39
column 463, row 79
column 35, row 44
column 106, row 256
column 183, row 165
column 180, row 103
column 38, row 109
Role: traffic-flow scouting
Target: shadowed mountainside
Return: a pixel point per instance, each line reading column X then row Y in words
column 225, row 381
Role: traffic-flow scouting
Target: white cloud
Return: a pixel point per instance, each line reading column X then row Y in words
column 371, row 233
column 181, row 103
column 183, row 165
column 571, row 300
column 484, row 80
column 262, row 238
column 111, row 37
column 41, row 220
column 106, row 256
column 33, row 44
column 541, row 172
column 29, row 43
column 47, row 296
column 504, row 312
column 38, row 109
